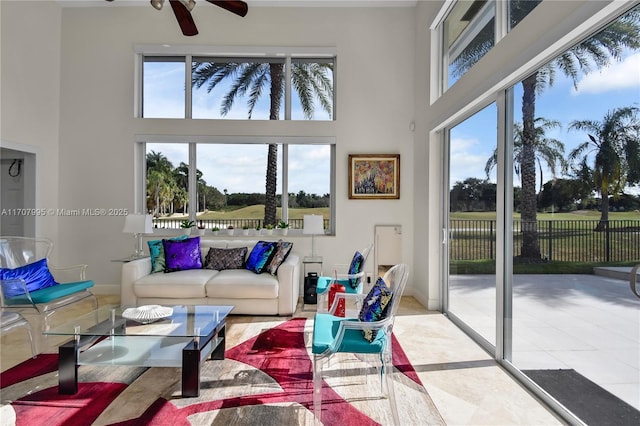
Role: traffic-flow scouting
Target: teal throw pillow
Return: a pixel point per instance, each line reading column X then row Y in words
column 260, row 256
column 156, row 252
column 374, row 307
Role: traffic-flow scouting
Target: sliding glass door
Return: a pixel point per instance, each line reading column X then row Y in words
column 471, row 232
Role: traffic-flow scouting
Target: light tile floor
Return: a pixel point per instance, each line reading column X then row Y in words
column 465, row 383
column 584, row 322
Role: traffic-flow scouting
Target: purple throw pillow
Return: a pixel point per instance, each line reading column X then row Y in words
column 182, row 255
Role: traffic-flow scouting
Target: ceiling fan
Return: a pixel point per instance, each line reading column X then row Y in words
column 182, row 10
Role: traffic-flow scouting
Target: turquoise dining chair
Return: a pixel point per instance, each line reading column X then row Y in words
column 367, row 337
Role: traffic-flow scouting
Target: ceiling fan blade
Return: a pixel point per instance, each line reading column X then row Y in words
column 187, row 25
column 240, row 8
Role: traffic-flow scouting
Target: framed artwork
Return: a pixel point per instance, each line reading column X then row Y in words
column 374, row 176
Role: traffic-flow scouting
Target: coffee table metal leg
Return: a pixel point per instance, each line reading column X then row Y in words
column 218, row 352
column 68, row 368
column 191, row 370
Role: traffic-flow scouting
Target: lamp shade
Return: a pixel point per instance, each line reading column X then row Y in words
column 138, row 224
column 313, row 224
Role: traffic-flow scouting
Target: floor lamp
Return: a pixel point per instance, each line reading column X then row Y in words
column 313, row 224
column 138, row 224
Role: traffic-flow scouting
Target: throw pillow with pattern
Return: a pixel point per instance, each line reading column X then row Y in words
column 374, row 307
column 221, row 259
column 283, row 248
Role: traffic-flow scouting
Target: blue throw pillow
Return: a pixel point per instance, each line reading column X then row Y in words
column 355, row 268
column 156, row 252
column 35, row 275
column 181, row 255
column 260, row 256
column 374, row 307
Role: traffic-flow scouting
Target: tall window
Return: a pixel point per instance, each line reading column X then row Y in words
column 257, row 178
column 470, row 29
column 238, row 88
column 230, row 184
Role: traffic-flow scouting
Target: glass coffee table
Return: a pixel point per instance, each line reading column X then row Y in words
column 182, row 338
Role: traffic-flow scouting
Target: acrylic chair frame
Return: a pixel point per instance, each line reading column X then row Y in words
column 323, row 297
column 385, row 326
column 40, row 312
column 14, row 320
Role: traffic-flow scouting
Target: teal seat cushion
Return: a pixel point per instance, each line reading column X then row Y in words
column 325, row 282
column 48, row 294
column 325, row 329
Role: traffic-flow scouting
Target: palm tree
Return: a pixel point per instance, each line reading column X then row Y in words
column 310, row 80
column 597, row 50
column 547, row 150
column 615, row 142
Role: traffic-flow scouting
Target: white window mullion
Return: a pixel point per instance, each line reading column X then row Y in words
column 188, row 107
column 287, row 88
column 193, row 182
column 285, row 183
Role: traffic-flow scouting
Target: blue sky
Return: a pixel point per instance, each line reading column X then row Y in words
column 598, row 92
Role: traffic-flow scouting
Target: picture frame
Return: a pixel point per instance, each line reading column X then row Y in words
column 374, row 176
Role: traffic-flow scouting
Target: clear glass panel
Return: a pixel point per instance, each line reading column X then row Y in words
column 236, row 89
column 472, row 223
column 232, row 184
column 167, row 189
column 311, row 81
column 309, row 183
column 469, row 33
column 570, row 325
column 519, row 9
column 163, row 90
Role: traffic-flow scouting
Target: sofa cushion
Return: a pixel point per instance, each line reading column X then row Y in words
column 222, row 259
column 242, row 284
column 260, row 255
column 177, row 285
column 182, row 255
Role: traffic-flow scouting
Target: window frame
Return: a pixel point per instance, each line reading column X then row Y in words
column 193, row 142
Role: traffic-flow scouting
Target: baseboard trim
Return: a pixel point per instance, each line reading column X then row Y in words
column 106, row 289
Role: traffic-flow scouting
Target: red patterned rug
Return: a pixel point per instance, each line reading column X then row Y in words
column 279, row 353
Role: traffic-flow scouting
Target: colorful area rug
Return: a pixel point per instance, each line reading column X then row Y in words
column 267, row 379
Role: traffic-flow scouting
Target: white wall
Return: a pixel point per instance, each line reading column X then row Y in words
column 30, row 94
column 375, row 106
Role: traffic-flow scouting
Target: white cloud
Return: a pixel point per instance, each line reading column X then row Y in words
column 618, row 76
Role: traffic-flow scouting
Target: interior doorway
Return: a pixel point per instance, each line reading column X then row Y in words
column 18, row 192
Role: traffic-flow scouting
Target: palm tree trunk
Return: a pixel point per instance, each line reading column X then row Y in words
column 277, row 76
column 528, row 202
column 604, row 210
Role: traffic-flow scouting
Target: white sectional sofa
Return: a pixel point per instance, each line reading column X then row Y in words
column 250, row 293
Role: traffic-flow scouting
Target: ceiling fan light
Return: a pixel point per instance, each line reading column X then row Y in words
column 157, row 4
column 189, row 4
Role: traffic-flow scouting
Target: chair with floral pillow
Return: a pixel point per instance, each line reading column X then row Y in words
column 31, row 287
column 368, row 336
column 350, row 276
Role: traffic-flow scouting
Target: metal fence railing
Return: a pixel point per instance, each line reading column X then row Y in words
column 172, row 223
column 560, row 240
